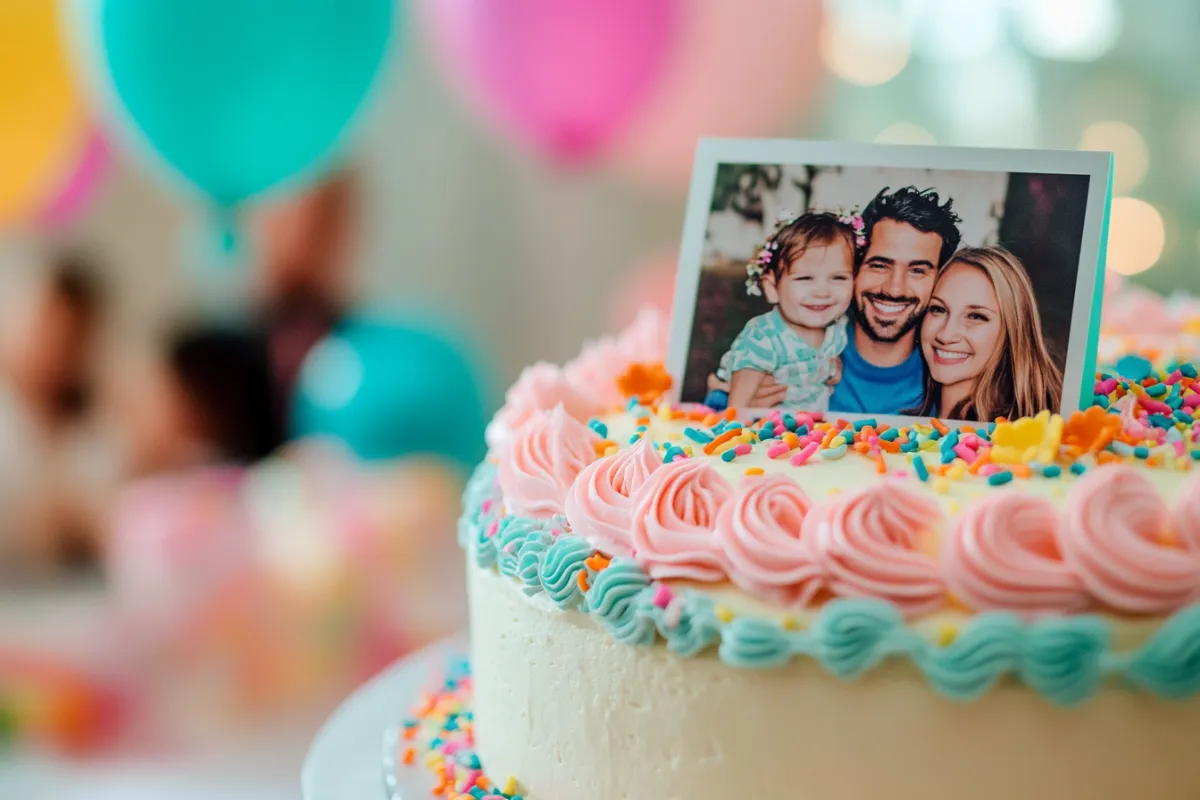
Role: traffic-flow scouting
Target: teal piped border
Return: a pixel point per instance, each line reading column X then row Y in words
column 1065, row 659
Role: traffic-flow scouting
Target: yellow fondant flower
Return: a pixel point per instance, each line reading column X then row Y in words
column 1027, row 439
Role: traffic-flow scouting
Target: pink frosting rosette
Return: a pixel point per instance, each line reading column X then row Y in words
column 1186, row 515
column 645, row 341
column 595, row 370
column 1003, row 553
column 540, row 387
column 674, row 514
column 1138, row 311
column 1115, row 536
column 545, row 456
column 599, row 505
column 759, row 531
column 867, row 542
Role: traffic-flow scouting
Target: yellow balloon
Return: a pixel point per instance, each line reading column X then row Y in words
column 42, row 118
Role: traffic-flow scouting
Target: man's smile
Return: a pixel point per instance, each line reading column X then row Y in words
column 885, row 306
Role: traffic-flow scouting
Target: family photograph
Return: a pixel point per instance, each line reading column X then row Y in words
column 886, row 291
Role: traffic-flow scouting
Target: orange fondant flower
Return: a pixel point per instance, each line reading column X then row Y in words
column 1091, row 430
column 646, row 382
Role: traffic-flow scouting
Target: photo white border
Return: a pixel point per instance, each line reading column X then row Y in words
column 1085, row 314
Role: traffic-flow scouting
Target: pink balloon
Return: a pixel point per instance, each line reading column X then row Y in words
column 746, row 68
column 74, row 193
column 564, row 75
column 651, row 283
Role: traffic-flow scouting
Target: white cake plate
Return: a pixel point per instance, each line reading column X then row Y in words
column 351, row 757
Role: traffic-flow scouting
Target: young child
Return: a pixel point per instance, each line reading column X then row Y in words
column 806, row 271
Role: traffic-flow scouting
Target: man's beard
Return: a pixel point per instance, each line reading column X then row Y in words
column 896, row 328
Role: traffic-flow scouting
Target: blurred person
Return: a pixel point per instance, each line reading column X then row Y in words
column 207, row 398
column 54, row 462
column 302, row 284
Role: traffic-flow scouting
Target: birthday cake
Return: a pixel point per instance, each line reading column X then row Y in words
column 669, row 602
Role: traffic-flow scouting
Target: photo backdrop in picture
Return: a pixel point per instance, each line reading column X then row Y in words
column 888, row 281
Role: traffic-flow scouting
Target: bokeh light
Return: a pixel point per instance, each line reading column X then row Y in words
column 905, row 133
column 333, row 373
column 991, row 102
column 1186, row 134
column 865, row 41
column 1136, row 236
column 951, row 31
column 1069, row 30
column 1131, row 159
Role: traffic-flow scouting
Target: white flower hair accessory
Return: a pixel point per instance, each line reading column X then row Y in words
column 854, row 219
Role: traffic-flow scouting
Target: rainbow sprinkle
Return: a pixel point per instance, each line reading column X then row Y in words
column 441, row 733
column 1140, row 413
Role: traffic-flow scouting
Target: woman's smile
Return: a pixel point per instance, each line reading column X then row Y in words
column 948, row 357
column 961, row 330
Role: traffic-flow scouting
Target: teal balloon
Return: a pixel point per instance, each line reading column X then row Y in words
column 389, row 389
column 240, row 96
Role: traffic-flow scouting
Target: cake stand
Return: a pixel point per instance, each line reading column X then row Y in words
column 351, row 757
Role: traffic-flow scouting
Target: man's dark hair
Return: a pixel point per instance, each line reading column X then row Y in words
column 226, row 376
column 921, row 209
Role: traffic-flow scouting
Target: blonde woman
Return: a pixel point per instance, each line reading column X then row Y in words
column 982, row 341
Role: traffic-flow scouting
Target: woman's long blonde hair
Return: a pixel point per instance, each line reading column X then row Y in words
column 1020, row 378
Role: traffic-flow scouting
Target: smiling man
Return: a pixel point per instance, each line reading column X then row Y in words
column 910, row 236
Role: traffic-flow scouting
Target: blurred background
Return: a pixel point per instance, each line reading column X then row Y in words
column 265, row 271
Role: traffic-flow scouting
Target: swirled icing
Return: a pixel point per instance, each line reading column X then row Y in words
column 599, row 504
column 1065, row 659
column 1186, row 515
column 529, row 560
column 645, row 340
column 971, row 664
column 479, row 507
column 1137, row 310
column 673, row 518
column 867, row 543
column 696, row 628
column 540, row 387
column 543, row 460
column 613, row 597
column 560, row 568
column 595, row 370
column 1169, row 665
column 759, row 530
column 1003, row 553
column 754, row 643
column 854, row 634
column 510, row 534
column 1114, row 537
column 1061, row 657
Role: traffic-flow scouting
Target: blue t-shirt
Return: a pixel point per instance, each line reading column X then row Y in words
column 868, row 389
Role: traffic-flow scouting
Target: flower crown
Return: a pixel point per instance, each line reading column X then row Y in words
column 764, row 254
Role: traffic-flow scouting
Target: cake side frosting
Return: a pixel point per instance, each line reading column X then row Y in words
column 962, row 655
column 571, row 713
column 1061, row 552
